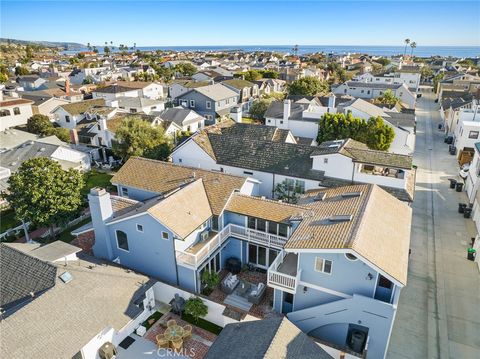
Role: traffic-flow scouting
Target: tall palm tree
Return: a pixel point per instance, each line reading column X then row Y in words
column 413, row 45
column 88, row 46
column 407, row 41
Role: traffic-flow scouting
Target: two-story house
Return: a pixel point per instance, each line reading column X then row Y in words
column 247, row 91
column 14, row 112
column 69, row 115
column 150, row 90
column 336, row 261
column 212, row 102
column 272, row 156
column 32, row 82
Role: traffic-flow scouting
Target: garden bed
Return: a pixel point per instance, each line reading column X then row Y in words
column 202, row 323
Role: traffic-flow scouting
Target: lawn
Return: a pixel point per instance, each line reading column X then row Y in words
column 96, row 179
column 156, row 316
column 202, row 323
column 7, row 220
column 249, row 120
column 65, row 235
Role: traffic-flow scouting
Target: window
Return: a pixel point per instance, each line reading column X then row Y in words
column 261, row 225
column 282, row 229
column 473, row 135
column 269, row 121
column 164, row 235
column 67, row 118
column 350, row 257
column 325, row 160
column 4, row 113
column 124, row 192
column 179, row 160
column 248, row 173
column 208, row 105
column 192, row 103
column 323, row 265
column 368, row 92
column 99, row 128
column 251, row 223
column 16, row 110
column 133, row 110
column 384, row 282
column 272, row 228
column 215, row 223
column 281, row 122
column 122, row 240
column 139, row 228
column 184, row 103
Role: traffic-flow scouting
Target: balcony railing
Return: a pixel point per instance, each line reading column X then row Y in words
column 279, row 280
column 231, row 230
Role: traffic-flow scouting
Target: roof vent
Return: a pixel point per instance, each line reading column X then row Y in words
column 340, row 218
column 351, row 194
column 42, row 149
column 320, row 197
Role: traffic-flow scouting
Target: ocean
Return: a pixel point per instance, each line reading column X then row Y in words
column 421, row 51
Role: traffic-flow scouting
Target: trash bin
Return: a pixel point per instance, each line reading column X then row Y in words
column 461, row 207
column 453, row 150
column 449, row 140
column 459, row 186
column 471, row 254
column 453, row 182
column 467, row 212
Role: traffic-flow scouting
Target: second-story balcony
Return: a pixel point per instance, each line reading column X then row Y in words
column 283, row 273
column 200, row 251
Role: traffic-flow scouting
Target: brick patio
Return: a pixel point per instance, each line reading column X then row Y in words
column 197, row 346
column 263, row 309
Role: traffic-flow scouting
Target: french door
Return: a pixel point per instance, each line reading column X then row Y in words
column 261, row 256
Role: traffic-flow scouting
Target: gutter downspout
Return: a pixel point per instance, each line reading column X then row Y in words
column 353, row 171
column 273, row 186
column 175, row 260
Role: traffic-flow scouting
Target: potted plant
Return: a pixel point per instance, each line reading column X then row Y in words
column 196, row 308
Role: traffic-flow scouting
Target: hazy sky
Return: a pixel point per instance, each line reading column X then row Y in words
column 151, row 23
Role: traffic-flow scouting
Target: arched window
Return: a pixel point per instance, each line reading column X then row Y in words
column 350, row 257
column 122, row 240
column 16, row 110
column 4, row 113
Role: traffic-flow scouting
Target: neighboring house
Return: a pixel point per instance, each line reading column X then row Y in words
column 151, row 90
column 211, row 102
column 52, row 287
column 137, row 104
column 69, row 115
column 333, row 273
column 184, row 118
column 403, row 123
column 44, row 105
column 78, row 76
column 451, row 104
column 247, row 91
column 271, row 86
column 462, row 82
column 269, row 339
column 213, row 75
column 49, row 147
column 32, row 82
column 466, row 133
column 408, row 75
column 13, row 137
column 273, row 156
column 179, row 87
column 369, row 90
column 14, row 112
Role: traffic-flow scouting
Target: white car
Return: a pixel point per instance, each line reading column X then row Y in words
column 464, row 170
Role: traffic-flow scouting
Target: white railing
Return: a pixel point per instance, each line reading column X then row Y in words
column 285, row 282
column 231, row 230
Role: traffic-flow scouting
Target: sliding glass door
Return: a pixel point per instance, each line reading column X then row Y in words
column 261, row 256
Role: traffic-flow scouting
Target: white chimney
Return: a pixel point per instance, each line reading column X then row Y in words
column 331, row 100
column 236, row 114
column 286, row 110
column 101, row 210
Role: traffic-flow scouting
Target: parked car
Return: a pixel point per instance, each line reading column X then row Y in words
column 464, row 170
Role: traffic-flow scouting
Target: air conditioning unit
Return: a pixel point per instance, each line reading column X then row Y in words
column 204, row 236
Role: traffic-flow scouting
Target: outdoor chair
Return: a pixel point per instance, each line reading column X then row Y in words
column 161, row 341
column 176, row 345
column 256, row 294
column 229, row 283
column 187, row 332
column 171, row 323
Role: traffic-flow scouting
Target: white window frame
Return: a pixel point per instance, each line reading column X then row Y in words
column 322, row 270
column 139, row 227
column 124, row 192
column 116, row 238
column 208, row 105
column 163, row 236
column 192, row 103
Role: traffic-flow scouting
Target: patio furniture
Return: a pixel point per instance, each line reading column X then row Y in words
column 187, row 332
column 107, row 351
column 229, row 283
column 171, row 323
column 174, row 332
column 243, row 287
column 176, row 345
column 162, row 342
column 256, row 293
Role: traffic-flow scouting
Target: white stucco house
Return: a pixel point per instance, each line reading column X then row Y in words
column 14, row 112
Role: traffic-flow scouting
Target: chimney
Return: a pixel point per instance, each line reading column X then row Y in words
column 331, row 100
column 101, row 209
column 74, row 136
column 67, row 87
column 102, row 121
column 286, row 109
column 236, row 113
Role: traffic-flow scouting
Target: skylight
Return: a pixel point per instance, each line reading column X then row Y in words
column 341, row 218
column 66, row 277
column 351, row 194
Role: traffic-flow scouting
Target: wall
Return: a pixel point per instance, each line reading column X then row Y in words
column 187, row 278
column 307, row 129
column 15, row 120
column 337, row 166
column 311, row 297
column 381, row 180
column 67, row 154
column 232, row 249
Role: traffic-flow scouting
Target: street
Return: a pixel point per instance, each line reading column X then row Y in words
column 438, row 313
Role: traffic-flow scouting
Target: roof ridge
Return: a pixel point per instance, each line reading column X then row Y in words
column 272, row 342
column 271, row 201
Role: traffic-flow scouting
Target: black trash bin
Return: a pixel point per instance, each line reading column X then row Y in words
column 459, row 186
column 449, row 140
column 462, row 207
column 453, row 150
column 467, row 212
column 471, row 254
column 453, row 182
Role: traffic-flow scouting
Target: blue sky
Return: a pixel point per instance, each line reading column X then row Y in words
column 168, row 23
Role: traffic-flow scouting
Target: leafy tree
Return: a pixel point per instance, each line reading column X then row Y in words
column 136, row 137
column 43, row 193
column 95, row 50
column 196, row 308
column 388, row 98
column 436, row 80
column 87, row 80
column 308, row 86
column 210, row 280
column 3, row 78
column 374, row 132
column 62, row 133
column 252, row 75
column 271, row 74
column 258, row 109
column 20, row 71
column 182, row 136
column 287, row 191
column 186, row 69
column 39, row 124
column 426, row 72
column 383, row 61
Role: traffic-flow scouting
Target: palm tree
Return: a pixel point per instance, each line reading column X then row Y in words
column 88, row 46
column 413, row 45
column 407, row 41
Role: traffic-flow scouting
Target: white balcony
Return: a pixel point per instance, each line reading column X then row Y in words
column 283, row 273
column 197, row 253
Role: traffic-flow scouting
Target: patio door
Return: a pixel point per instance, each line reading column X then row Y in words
column 261, row 256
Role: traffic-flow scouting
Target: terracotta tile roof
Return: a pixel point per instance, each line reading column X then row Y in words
column 263, row 208
column 185, row 210
column 15, row 102
column 163, row 177
column 379, row 228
